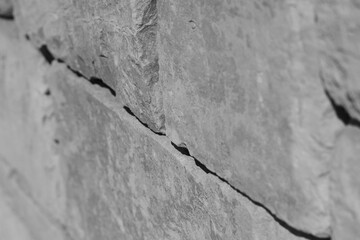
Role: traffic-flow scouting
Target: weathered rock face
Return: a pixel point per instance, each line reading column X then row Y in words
column 345, row 189
column 96, row 173
column 112, row 40
column 256, row 91
column 238, row 81
column 339, row 37
column 243, row 93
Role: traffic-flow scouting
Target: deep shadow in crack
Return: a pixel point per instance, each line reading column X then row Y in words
column 7, row 17
column 128, row 110
column 101, row 83
column 46, row 54
column 185, row 151
column 342, row 113
column 7, row 14
column 49, row 57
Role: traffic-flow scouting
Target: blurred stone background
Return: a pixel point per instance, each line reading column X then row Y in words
column 179, row 119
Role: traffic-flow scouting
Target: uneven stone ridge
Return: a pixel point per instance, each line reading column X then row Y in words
column 112, row 40
column 153, row 119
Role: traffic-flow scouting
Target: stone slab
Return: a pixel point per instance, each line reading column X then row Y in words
column 130, row 183
column 242, row 91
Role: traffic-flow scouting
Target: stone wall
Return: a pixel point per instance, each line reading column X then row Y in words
column 152, row 119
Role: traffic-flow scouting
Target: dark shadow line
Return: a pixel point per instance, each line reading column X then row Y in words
column 128, row 110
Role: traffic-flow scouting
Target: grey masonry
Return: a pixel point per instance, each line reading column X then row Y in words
column 263, row 95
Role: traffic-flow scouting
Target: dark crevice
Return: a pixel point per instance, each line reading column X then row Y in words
column 128, row 110
column 101, row 83
column 47, row 92
column 77, row 73
column 185, row 151
column 49, row 57
column 342, row 113
column 8, row 17
column 93, row 80
column 46, row 54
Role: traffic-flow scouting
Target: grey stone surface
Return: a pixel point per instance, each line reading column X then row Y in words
column 238, row 82
column 6, row 8
column 241, row 84
column 242, row 91
column 111, row 40
column 345, row 187
column 75, row 165
column 132, row 184
column 339, row 22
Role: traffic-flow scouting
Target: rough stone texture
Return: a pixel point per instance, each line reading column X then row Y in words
column 249, row 87
column 345, row 187
column 72, row 167
column 243, row 93
column 339, row 23
column 6, row 8
column 237, row 82
column 112, row 40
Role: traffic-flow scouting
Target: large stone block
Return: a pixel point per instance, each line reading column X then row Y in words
column 125, row 182
column 75, row 163
column 112, row 40
column 339, row 22
column 242, row 91
column 345, row 187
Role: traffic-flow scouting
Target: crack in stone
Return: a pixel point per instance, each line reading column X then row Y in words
column 7, row 17
column 49, row 57
column 128, row 110
column 185, row 151
column 45, row 53
column 341, row 112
